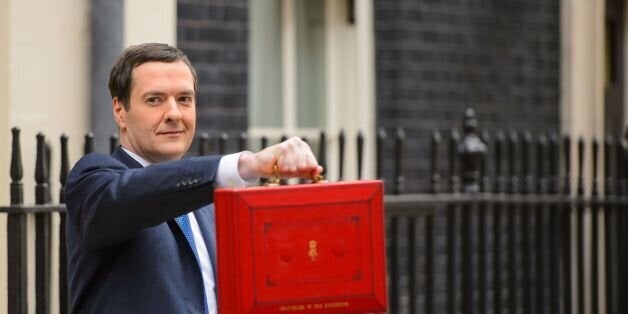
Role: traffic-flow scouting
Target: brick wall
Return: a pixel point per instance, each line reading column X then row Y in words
column 214, row 35
column 436, row 58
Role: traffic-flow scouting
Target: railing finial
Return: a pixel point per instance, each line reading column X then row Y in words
column 243, row 141
column 322, row 151
column 360, row 148
column 454, row 178
column 89, row 143
column 341, row 154
column 65, row 167
column 222, row 143
column 203, row 143
column 400, row 139
column 114, row 140
column 435, row 156
column 379, row 143
column 17, row 190
column 41, row 172
column 472, row 152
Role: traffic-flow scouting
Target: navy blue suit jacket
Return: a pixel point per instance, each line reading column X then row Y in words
column 126, row 254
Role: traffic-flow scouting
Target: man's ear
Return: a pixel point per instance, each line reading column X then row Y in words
column 119, row 113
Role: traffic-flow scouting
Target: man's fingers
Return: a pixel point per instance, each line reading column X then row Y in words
column 296, row 159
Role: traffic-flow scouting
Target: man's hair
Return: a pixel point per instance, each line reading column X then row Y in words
column 121, row 76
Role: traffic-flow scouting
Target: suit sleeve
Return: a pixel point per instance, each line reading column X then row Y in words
column 109, row 202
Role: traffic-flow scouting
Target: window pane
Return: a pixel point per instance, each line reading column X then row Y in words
column 310, row 63
column 264, row 96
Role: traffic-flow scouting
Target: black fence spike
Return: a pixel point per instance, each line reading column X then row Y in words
column 222, row 143
column 243, row 141
column 513, row 142
column 620, row 153
column 114, row 141
column 594, row 155
column 400, row 138
column 203, row 144
column 526, row 150
column 304, row 139
column 48, row 161
column 554, row 161
column 263, row 142
column 580, row 166
column 341, row 154
column 88, row 147
column 454, row 179
column 608, row 162
column 41, row 171
column 434, row 164
column 65, row 167
column 484, row 173
column 472, row 152
column 542, row 176
column 379, row 154
column 624, row 177
column 360, row 151
column 17, row 189
column 322, row 151
column 16, row 234
column 566, row 157
column 500, row 153
column 42, row 228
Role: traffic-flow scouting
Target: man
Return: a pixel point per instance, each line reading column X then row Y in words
column 140, row 231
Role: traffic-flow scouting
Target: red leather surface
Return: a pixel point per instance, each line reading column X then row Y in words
column 316, row 248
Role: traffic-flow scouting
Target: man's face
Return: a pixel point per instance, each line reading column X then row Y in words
column 160, row 122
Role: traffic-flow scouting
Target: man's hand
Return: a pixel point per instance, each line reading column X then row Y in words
column 293, row 157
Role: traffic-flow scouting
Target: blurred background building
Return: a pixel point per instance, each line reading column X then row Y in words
column 296, row 67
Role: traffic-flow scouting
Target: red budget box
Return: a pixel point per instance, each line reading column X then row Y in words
column 315, row 248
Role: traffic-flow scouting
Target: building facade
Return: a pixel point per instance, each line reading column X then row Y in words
column 294, row 67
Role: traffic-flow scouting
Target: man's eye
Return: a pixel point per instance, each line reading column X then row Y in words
column 152, row 100
column 185, row 99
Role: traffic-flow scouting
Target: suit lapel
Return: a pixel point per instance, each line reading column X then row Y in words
column 204, row 216
column 123, row 157
column 127, row 160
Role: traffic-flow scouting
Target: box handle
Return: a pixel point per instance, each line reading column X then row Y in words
column 275, row 181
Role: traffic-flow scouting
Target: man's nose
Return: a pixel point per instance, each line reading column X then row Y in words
column 173, row 113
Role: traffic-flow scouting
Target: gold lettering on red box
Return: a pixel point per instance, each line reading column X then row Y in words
column 313, row 253
column 309, row 306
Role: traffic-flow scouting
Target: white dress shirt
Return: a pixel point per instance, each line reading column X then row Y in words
column 227, row 176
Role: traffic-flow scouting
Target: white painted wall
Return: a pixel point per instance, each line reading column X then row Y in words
column 4, row 145
column 582, row 67
column 44, row 49
column 150, row 21
column 350, row 85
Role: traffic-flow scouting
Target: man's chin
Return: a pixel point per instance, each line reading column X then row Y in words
column 172, row 151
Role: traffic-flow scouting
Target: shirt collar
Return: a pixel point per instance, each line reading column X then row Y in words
column 137, row 158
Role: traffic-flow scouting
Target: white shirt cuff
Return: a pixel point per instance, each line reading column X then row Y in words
column 228, row 175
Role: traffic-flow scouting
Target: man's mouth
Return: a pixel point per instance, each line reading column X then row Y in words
column 170, row 132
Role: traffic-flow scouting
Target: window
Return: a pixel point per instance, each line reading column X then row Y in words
column 311, row 68
column 287, row 64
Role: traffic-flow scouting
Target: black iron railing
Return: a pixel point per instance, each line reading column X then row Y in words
column 494, row 235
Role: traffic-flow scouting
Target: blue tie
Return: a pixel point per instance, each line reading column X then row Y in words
column 184, row 223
